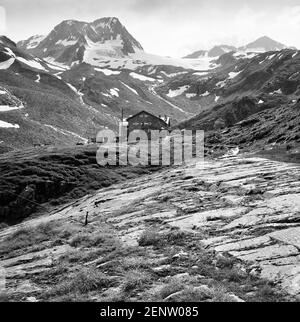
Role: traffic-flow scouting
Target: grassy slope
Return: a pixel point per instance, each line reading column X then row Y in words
column 257, row 80
column 274, row 127
column 169, row 267
column 33, row 177
column 49, row 102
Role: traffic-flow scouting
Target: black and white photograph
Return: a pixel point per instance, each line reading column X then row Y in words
column 149, row 154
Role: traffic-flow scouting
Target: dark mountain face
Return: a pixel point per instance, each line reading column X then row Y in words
column 278, row 125
column 4, row 41
column 238, row 89
column 68, row 41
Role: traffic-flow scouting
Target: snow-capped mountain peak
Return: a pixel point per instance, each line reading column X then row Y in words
column 71, row 41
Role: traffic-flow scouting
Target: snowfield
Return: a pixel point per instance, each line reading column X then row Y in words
column 200, row 73
column 142, row 77
column 205, row 94
column 177, row 92
column 114, row 92
column 279, row 91
column 95, row 51
column 108, row 72
column 66, row 42
column 6, row 64
column 53, row 64
column 202, row 64
column 190, row 95
column 109, row 54
column 6, row 125
column 31, row 63
column 7, row 108
column 234, row 74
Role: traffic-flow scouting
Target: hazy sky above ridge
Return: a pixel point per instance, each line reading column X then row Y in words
column 164, row 27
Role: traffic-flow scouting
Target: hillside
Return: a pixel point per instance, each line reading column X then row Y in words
column 33, row 99
column 244, row 87
column 39, row 179
column 226, row 231
column 266, row 130
column 47, row 79
column 220, row 229
column 90, row 72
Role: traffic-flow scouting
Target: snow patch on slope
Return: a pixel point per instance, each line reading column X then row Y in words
column 142, row 77
column 7, row 125
column 130, row 88
column 178, row 91
column 108, row 72
column 66, row 42
column 31, row 63
column 234, row 74
column 6, row 64
column 7, row 108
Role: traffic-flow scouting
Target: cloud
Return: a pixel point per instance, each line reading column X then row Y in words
column 165, row 27
column 2, row 20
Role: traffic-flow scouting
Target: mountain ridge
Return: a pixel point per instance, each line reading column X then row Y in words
column 88, row 65
column 261, row 44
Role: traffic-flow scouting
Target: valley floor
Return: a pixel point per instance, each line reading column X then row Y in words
column 225, row 230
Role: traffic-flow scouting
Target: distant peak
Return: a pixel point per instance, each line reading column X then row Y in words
column 265, row 38
column 108, row 20
column 70, row 23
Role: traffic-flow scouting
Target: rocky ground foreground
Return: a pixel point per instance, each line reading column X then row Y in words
column 225, row 230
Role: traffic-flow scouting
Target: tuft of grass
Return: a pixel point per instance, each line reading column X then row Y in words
column 172, row 287
column 267, row 293
column 135, row 279
column 225, row 262
column 220, row 294
column 99, row 238
column 28, row 236
column 149, row 238
column 135, row 263
column 82, row 282
column 4, row 297
column 154, row 238
column 191, row 294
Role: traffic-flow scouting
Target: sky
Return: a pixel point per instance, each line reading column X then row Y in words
column 164, row 27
